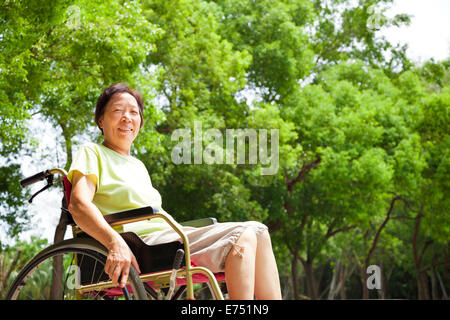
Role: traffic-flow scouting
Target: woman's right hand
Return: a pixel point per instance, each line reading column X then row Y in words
column 118, row 262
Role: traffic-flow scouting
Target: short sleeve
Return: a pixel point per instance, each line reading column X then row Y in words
column 86, row 161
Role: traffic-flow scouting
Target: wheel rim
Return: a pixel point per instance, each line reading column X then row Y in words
column 80, row 267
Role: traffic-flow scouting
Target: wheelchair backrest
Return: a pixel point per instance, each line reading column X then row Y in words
column 67, row 189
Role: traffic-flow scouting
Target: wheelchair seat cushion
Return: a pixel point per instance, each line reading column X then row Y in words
column 152, row 258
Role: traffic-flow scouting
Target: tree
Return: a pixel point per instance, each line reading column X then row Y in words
column 431, row 214
column 60, row 55
column 345, row 30
column 362, row 133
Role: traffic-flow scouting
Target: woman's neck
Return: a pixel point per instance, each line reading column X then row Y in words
column 120, row 150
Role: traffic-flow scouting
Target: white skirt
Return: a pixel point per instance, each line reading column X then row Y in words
column 210, row 245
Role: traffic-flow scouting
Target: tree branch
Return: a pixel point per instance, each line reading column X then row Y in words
column 434, row 265
column 415, row 235
column 377, row 235
column 332, row 233
column 425, row 246
column 304, row 170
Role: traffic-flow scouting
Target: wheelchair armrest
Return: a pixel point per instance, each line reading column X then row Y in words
column 198, row 223
column 129, row 216
column 118, row 218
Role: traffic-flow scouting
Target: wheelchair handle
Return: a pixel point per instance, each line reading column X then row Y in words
column 35, row 178
column 41, row 176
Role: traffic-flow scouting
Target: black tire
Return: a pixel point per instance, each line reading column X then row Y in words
column 83, row 263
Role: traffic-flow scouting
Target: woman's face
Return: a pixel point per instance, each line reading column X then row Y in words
column 121, row 120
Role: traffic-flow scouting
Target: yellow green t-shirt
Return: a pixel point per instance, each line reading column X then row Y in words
column 123, row 183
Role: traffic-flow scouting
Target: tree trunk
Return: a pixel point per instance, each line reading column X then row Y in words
column 385, row 282
column 423, row 287
column 294, row 273
column 342, row 280
column 446, row 273
column 382, row 291
column 434, row 285
column 365, row 290
column 287, row 288
column 56, row 290
column 311, row 284
column 344, row 275
column 423, row 292
column 444, row 292
column 334, row 286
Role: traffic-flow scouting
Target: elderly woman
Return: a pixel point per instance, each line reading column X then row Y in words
column 106, row 179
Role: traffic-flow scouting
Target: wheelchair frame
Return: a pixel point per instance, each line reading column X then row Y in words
column 160, row 279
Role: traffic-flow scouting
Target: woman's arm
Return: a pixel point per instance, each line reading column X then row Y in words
column 89, row 218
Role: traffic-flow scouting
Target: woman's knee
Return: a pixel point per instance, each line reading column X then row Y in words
column 248, row 237
column 264, row 241
column 265, row 235
column 253, row 235
column 247, row 241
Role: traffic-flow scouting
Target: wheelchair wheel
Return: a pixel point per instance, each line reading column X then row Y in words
column 82, row 275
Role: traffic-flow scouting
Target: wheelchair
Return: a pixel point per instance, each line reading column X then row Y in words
column 73, row 269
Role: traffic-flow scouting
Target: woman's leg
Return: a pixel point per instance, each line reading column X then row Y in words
column 267, row 280
column 240, row 267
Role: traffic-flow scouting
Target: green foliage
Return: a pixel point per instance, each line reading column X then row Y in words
column 55, row 60
column 14, row 258
column 11, row 196
column 273, row 32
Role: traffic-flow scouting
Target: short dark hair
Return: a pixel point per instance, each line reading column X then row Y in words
column 106, row 95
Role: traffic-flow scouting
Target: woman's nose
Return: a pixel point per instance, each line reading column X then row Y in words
column 126, row 115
